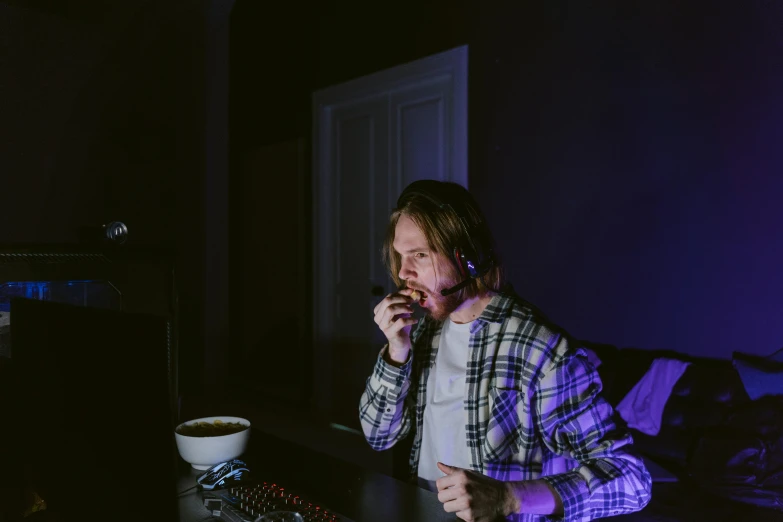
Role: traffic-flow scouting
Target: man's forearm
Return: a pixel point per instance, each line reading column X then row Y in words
column 535, row 497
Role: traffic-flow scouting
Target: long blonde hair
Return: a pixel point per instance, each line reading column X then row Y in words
column 442, row 227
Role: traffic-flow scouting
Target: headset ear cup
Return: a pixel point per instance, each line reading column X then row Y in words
column 481, row 251
column 468, row 262
column 459, row 263
column 471, row 261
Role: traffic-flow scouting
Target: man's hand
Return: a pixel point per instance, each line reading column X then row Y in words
column 474, row 497
column 393, row 317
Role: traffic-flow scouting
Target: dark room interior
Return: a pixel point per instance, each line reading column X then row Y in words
column 627, row 157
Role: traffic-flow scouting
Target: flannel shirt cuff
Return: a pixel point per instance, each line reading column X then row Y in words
column 572, row 488
column 391, row 377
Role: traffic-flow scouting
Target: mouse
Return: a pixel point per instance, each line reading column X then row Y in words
column 224, row 475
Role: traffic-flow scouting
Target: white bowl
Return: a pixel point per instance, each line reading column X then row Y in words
column 204, row 452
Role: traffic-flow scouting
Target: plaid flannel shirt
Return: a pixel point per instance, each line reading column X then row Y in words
column 531, row 396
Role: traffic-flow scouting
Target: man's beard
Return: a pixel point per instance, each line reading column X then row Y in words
column 444, row 306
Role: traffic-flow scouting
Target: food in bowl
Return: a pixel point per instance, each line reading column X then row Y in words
column 211, row 440
column 210, row 429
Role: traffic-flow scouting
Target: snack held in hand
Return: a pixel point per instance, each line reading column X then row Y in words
column 415, row 295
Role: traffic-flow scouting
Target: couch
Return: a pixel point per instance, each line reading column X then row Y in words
column 712, row 440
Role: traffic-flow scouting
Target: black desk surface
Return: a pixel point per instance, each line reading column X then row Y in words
column 367, row 496
column 359, row 494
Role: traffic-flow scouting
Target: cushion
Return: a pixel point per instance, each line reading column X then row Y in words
column 760, row 375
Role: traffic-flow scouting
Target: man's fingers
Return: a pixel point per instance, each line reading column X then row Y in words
column 388, row 315
column 401, row 323
column 390, row 301
column 452, row 476
column 455, row 506
column 466, row 515
column 400, row 308
column 446, row 482
column 378, row 306
column 448, row 495
column 450, row 507
column 445, row 468
column 393, row 314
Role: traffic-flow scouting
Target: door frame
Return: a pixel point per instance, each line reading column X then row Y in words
column 453, row 64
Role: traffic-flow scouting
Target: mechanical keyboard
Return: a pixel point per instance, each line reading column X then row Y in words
column 266, row 502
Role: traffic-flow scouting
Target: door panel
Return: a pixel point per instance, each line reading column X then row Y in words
column 421, row 133
column 360, row 159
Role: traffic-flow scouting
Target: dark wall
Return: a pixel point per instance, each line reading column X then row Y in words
column 629, row 158
column 626, row 154
column 101, row 118
column 89, row 118
column 280, row 54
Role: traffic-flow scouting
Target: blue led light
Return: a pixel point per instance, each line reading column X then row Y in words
column 85, row 292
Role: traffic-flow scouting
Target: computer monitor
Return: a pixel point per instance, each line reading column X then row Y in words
column 95, row 429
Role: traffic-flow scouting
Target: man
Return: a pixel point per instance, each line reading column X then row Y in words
column 505, row 409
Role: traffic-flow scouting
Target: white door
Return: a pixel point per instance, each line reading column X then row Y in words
column 372, row 137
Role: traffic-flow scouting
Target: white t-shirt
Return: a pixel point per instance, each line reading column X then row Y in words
column 444, row 434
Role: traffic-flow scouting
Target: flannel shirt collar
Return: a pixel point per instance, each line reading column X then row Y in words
column 496, row 311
